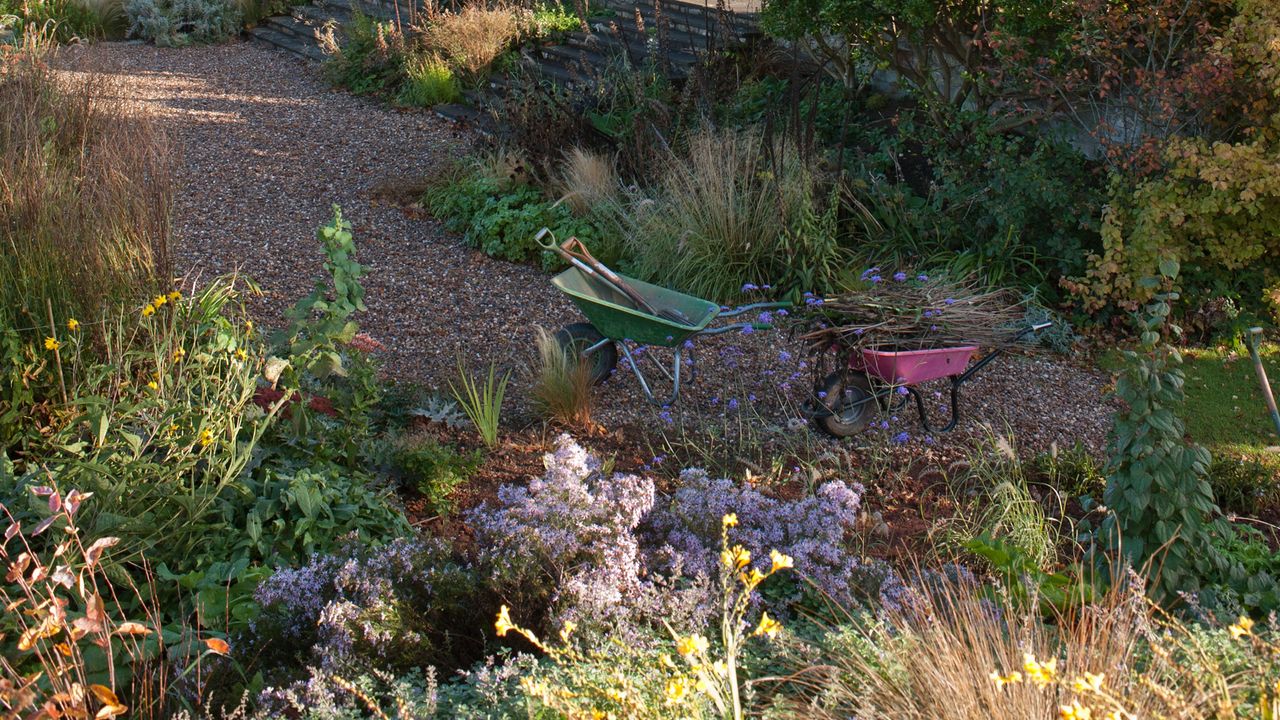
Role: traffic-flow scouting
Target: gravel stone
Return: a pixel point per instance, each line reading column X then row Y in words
column 267, row 146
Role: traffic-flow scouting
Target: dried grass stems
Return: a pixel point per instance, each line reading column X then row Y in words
column 586, row 180
column 562, row 383
column 903, row 312
column 937, row 654
column 86, row 189
column 472, row 38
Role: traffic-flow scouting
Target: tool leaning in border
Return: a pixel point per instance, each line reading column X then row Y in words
column 1267, row 396
column 620, row 309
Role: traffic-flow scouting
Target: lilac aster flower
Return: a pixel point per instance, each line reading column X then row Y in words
column 901, row 438
column 747, row 329
column 950, row 301
column 748, row 287
column 733, row 403
column 784, row 356
column 899, row 277
column 902, row 390
column 765, row 317
column 922, row 277
column 875, row 279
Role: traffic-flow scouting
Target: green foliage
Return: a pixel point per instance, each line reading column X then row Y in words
column 1029, row 584
column 502, row 222
column 66, row 19
column 1216, row 207
column 734, row 210
column 1252, row 587
column 950, row 52
column 552, row 20
column 1073, row 471
column 428, row 81
column 176, row 23
column 1248, row 485
column 371, row 59
column 482, row 402
column 435, row 469
column 284, row 514
column 1163, row 517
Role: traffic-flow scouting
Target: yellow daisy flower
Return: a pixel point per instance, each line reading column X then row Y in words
column 73, row 324
column 51, row 343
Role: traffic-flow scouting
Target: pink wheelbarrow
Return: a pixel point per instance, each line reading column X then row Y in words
column 848, row 399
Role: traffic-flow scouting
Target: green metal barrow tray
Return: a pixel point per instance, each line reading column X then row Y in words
column 613, row 320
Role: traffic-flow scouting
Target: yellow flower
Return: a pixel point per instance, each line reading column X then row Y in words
column 780, row 561
column 768, row 626
column 1243, row 626
column 504, row 624
column 1039, row 673
column 730, row 520
column 241, row 355
column 153, row 385
column 736, row 558
column 1012, row 678
column 51, row 343
column 1089, row 682
column 206, row 438
column 148, row 311
column 73, row 324
column 175, row 296
column 567, row 630
column 248, row 326
column 160, row 300
column 179, row 354
column 753, row 578
column 1075, row 711
column 677, row 688
column 691, row 645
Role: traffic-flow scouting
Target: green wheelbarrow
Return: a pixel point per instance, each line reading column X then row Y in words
column 621, row 310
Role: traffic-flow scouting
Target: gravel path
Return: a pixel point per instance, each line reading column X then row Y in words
column 267, row 146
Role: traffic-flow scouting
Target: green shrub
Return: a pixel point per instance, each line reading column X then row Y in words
column 371, row 59
column 428, row 81
column 502, row 223
column 1163, row 518
column 175, row 23
column 435, row 470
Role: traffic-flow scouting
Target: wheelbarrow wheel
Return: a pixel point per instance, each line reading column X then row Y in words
column 848, row 395
column 576, row 338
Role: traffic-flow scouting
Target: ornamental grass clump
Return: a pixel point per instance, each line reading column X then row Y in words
column 85, row 194
column 562, row 383
column 913, row 312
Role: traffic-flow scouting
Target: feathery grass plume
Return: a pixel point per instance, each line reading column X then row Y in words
column 562, row 382
column 586, row 180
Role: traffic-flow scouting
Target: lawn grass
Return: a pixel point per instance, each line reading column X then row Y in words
column 1225, row 410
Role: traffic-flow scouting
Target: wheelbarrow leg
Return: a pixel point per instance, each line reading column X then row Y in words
column 644, row 385
column 956, row 382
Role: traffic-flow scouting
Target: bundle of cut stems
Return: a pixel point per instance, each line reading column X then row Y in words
column 914, row 313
